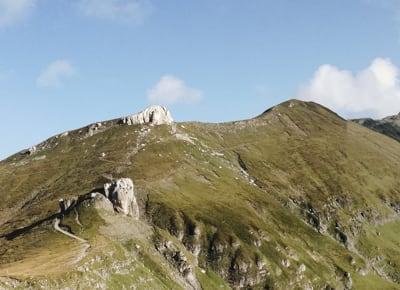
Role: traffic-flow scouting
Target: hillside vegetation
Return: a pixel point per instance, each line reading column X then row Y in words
column 296, row 198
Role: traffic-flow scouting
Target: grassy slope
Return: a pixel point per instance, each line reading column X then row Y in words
column 301, row 156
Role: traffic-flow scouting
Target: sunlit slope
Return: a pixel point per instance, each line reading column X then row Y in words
column 295, row 197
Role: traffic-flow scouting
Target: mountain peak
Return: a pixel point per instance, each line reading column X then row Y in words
column 158, row 207
column 156, row 115
column 392, row 118
column 299, row 105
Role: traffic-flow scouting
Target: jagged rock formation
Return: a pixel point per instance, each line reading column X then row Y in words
column 179, row 261
column 66, row 204
column 389, row 126
column 155, row 115
column 93, row 129
column 121, row 193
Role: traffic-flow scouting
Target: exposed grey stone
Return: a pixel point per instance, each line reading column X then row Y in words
column 155, row 115
column 29, row 151
column 302, row 268
column 179, row 261
column 286, row 263
column 101, row 202
column 66, row 204
column 121, row 193
column 93, row 129
column 348, row 282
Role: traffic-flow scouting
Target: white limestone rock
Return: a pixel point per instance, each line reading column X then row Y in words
column 29, row 151
column 155, row 115
column 286, row 263
column 121, row 193
column 302, row 269
column 93, row 129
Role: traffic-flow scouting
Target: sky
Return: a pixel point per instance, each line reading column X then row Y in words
column 68, row 63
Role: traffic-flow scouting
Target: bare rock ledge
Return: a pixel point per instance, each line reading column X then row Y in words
column 155, row 115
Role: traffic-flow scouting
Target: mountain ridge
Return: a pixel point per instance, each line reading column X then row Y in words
column 260, row 203
column 90, row 128
column 389, row 126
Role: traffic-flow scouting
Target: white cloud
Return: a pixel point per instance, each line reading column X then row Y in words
column 14, row 11
column 117, row 10
column 374, row 91
column 170, row 90
column 55, row 74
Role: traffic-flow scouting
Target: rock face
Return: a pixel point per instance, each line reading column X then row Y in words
column 179, row 261
column 121, row 193
column 156, row 115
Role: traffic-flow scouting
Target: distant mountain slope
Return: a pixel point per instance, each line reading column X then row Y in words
column 297, row 198
column 389, row 126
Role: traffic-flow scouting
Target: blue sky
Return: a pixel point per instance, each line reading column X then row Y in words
column 67, row 63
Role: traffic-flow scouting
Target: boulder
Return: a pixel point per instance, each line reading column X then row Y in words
column 155, row 115
column 121, row 194
column 93, row 129
column 29, row 151
column 99, row 201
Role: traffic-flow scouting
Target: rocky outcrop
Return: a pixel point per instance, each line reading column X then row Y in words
column 179, row 261
column 93, row 129
column 348, row 281
column 118, row 196
column 155, row 115
column 67, row 204
column 99, row 201
column 121, row 193
column 29, row 151
column 213, row 248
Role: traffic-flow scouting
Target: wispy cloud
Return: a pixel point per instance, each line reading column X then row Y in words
column 14, row 11
column 128, row 11
column 170, row 89
column 374, row 90
column 55, row 74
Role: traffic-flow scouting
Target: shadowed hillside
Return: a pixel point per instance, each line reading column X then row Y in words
column 389, row 126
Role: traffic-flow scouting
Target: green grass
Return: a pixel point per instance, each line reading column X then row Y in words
column 300, row 155
column 210, row 280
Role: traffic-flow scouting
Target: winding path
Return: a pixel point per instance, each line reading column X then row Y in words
column 57, row 228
